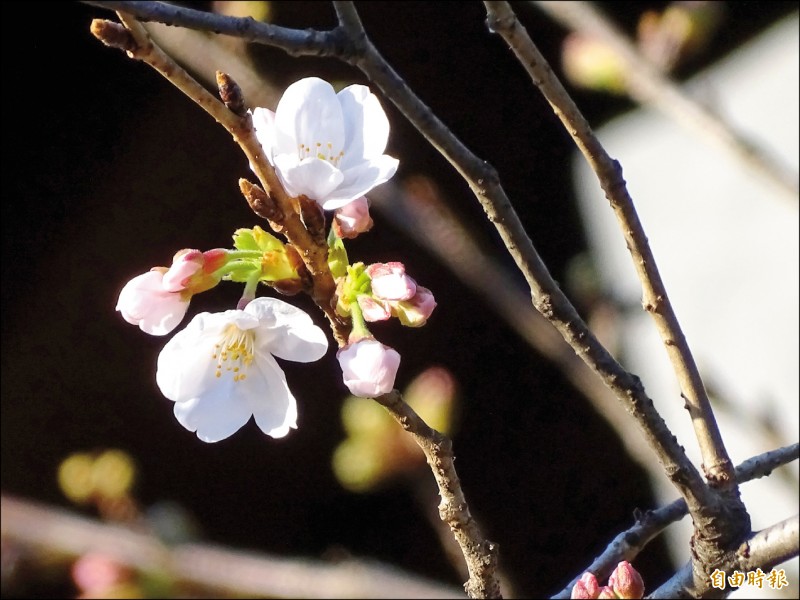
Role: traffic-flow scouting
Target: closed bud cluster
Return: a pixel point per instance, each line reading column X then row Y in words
column 624, row 582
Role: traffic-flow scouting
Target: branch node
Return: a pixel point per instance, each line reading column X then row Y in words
column 231, row 94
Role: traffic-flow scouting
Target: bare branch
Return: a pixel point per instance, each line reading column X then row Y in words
column 480, row 553
column 628, row 544
column 717, row 463
column 648, row 85
column 294, row 42
column 232, row 571
column 764, row 550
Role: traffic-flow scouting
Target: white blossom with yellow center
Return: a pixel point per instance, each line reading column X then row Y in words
column 325, row 145
column 220, row 370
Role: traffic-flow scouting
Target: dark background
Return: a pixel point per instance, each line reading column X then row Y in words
column 108, row 170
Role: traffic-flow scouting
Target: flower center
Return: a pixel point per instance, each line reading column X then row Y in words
column 321, row 151
column 234, row 352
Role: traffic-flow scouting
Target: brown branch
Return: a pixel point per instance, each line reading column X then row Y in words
column 648, row 85
column 717, row 464
column 764, row 550
column 136, row 42
column 480, row 554
column 723, row 521
column 628, row 544
column 235, row 572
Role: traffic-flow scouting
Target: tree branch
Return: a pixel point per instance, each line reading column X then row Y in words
column 628, row 544
column 717, row 464
column 232, row 571
column 766, row 549
column 479, row 553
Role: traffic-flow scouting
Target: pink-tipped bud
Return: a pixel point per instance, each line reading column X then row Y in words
column 606, row 593
column 626, row 581
column 390, row 282
column 368, row 367
column 586, row 587
column 185, row 264
column 352, row 219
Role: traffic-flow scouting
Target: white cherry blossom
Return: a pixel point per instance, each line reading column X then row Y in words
column 325, row 145
column 220, row 370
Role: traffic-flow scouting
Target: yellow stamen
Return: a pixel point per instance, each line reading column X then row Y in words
column 234, row 352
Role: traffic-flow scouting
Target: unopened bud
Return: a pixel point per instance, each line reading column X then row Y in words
column 606, row 592
column 586, row 587
column 626, row 581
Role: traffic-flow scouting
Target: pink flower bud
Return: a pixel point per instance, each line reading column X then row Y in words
column 368, row 367
column 144, row 302
column 192, row 270
column 372, row 309
column 586, row 587
column 97, row 573
column 184, row 265
column 352, row 218
column 416, row 311
column 626, row 581
column 390, row 282
column 606, row 593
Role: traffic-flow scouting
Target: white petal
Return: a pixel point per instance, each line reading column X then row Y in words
column 217, row 414
column 309, row 113
column 269, row 398
column 264, row 126
column 360, row 180
column 313, row 177
column 366, row 125
column 287, row 331
column 186, row 366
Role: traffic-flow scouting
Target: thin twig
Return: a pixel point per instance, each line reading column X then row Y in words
column 628, row 544
column 717, row 464
column 480, row 553
column 547, row 297
column 648, row 85
column 225, row 570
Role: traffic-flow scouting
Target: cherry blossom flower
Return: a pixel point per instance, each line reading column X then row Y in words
column 144, row 302
column 157, row 301
column 368, row 367
column 220, row 370
column 325, row 145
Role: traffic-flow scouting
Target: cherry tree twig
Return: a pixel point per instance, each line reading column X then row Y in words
column 480, row 554
column 223, row 569
column 648, row 85
column 718, row 466
column 628, row 544
column 482, row 178
column 724, row 520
